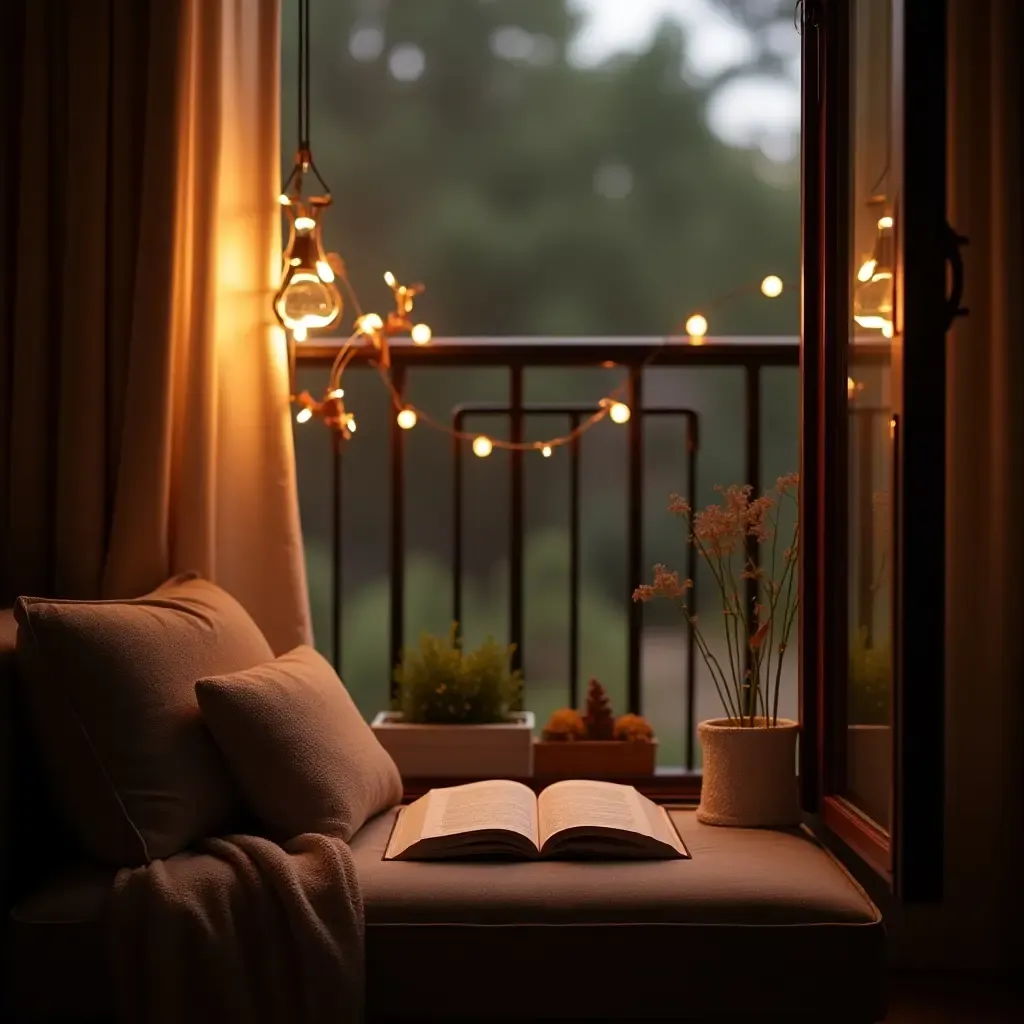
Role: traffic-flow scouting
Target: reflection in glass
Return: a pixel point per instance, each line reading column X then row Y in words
column 869, row 406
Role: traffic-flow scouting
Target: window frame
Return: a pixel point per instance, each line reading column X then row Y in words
column 909, row 855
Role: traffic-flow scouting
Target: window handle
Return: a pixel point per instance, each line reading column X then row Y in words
column 952, row 241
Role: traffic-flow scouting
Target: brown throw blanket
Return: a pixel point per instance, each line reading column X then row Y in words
column 241, row 930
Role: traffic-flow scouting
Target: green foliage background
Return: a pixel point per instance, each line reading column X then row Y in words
column 478, row 178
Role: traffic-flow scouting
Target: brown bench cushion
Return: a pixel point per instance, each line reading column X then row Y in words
column 759, row 926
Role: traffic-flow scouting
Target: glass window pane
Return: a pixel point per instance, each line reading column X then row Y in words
column 872, row 229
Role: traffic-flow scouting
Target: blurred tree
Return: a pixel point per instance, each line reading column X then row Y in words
column 533, row 196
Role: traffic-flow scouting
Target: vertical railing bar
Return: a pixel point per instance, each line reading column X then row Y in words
column 753, row 476
column 635, row 542
column 457, row 425
column 692, row 447
column 574, row 562
column 396, row 440
column 515, row 553
column 336, row 551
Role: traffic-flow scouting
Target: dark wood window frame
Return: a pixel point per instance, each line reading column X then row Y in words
column 910, row 853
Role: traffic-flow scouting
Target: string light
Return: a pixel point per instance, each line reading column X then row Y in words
column 696, row 326
column 619, row 412
column 370, row 329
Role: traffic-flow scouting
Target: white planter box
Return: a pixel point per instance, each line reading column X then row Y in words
column 499, row 751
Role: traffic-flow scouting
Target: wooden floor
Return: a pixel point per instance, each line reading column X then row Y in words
column 952, row 999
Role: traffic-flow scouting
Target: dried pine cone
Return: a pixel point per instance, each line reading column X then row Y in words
column 565, row 724
column 599, row 718
column 633, row 729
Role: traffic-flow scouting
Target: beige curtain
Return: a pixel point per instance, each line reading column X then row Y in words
column 144, row 426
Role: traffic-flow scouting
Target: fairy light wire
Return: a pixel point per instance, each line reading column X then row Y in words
column 376, row 334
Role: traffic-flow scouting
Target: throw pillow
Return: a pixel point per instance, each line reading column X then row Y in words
column 298, row 747
column 110, row 691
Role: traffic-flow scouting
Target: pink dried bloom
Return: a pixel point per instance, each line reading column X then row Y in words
column 789, row 482
column 758, row 518
column 666, row 584
column 679, row 506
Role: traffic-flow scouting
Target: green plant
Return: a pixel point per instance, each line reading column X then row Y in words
column 869, row 683
column 440, row 683
column 726, row 536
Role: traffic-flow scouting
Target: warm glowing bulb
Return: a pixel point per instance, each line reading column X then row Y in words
column 885, row 222
column 368, row 323
column 389, row 279
column 421, row 334
column 696, row 326
column 887, row 331
column 336, row 393
column 304, row 415
column 352, row 424
column 299, row 332
column 867, row 268
column 771, row 286
column 407, row 419
column 619, row 412
column 284, row 200
column 323, row 268
column 851, row 387
column 482, row 446
column 304, row 223
column 546, row 451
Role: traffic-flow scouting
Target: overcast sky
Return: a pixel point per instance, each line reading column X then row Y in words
column 749, row 111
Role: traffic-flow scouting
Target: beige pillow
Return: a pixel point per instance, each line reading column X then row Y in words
column 110, row 689
column 298, row 746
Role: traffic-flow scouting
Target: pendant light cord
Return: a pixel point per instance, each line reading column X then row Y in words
column 304, row 157
column 303, row 75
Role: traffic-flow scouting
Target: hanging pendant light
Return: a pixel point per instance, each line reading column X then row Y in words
column 307, row 298
column 872, row 295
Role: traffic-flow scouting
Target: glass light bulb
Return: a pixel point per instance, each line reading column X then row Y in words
column 421, row 334
column 284, row 200
column 696, row 326
column 482, row 446
column 389, row 279
column 307, row 298
column 407, row 419
column 304, row 415
column 867, row 268
column 546, row 451
column 336, row 393
column 619, row 412
column 771, row 286
column 884, row 222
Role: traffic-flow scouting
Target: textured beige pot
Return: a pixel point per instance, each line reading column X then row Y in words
column 749, row 774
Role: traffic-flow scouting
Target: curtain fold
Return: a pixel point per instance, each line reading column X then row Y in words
column 144, row 422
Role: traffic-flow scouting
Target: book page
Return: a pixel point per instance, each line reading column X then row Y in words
column 585, row 804
column 478, row 806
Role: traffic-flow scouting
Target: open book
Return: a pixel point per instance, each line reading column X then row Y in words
column 574, row 820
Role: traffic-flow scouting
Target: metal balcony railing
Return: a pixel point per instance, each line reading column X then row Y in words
column 516, row 355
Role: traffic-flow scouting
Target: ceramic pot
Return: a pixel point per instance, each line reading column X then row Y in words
column 749, row 774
